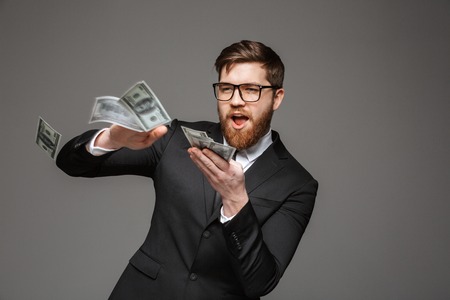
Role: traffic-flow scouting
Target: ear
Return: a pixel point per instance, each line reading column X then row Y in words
column 278, row 98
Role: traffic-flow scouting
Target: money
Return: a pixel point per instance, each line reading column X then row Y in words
column 47, row 138
column 200, row 139
column 109, row 109
column 138, row 109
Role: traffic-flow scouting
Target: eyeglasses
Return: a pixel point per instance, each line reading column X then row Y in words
column 248, row 92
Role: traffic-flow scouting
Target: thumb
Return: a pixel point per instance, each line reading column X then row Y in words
column 157, row 133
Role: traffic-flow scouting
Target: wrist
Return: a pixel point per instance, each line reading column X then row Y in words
column 223, row 218
column 104, row 141
column 231, row 208
column 97, row 150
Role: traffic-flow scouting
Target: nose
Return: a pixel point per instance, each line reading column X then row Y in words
column 236, row 100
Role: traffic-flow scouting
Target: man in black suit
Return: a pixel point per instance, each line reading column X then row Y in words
column 219, row 230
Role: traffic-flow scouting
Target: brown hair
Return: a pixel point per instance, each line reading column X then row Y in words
column 251, row 51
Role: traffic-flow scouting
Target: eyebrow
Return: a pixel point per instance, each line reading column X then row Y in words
column 255, row 83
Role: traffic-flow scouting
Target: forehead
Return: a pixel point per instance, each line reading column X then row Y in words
column 244, row 73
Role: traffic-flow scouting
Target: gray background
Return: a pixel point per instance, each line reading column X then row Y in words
column 366, row 111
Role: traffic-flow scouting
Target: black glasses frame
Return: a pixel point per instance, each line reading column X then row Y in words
column 238, row 86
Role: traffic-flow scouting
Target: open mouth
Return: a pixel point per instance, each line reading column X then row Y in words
column 239, row 121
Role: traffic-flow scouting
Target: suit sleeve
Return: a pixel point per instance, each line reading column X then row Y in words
column 76, row 161
column 261, row 253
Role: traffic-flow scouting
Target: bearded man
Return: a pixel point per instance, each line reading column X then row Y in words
column 220, row 229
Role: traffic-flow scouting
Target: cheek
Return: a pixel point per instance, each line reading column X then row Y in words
column 258, row 112
column 221, row 111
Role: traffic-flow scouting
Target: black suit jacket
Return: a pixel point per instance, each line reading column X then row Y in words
column 188, row 253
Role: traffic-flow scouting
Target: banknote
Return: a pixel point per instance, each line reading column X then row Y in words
column 226, row 152
column 146, row 106
column 200, row 139
column 195, row 136
column 138, row 109
column 109, row 109
column 47, row 138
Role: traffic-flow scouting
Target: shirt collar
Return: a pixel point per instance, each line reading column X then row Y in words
column 256, row 150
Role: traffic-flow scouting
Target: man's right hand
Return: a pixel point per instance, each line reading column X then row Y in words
column 116, row 137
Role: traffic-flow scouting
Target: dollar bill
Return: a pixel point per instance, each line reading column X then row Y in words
column 226, row 152
column 47, row 138
column 109, row 109
column 195, row 136
column 146, row 106
column 200, row 139
column 138, row 109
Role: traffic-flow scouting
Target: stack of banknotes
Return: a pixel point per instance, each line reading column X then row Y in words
column 200, row 139
column 138, row 109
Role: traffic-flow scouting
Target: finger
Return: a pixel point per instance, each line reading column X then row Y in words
column 155, row 134
column 235, row 164
column 198, row 157
column 203, row 163
column 158, row 132
column 218, row 160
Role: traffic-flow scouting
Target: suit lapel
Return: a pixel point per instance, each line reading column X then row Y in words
column 215, row 133
column 269, row 163
column 212, row 198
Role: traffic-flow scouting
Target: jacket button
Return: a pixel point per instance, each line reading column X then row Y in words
column 206, row 234
column 193, row 276
column 237, row 243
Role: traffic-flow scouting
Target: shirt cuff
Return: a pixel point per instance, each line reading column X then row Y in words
column 97, row 151
column 223, row 218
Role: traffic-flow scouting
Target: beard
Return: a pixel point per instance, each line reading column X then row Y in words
column 249, row 136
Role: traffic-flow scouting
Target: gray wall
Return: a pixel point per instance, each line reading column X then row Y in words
column 367, row 111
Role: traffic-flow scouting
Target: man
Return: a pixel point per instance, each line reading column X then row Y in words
column 219, row 230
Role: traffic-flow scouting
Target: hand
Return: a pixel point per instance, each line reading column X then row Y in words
column 227, row 178
column 117, row 137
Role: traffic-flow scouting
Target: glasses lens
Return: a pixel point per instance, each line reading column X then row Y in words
column 223, row 91
column 250, row 92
